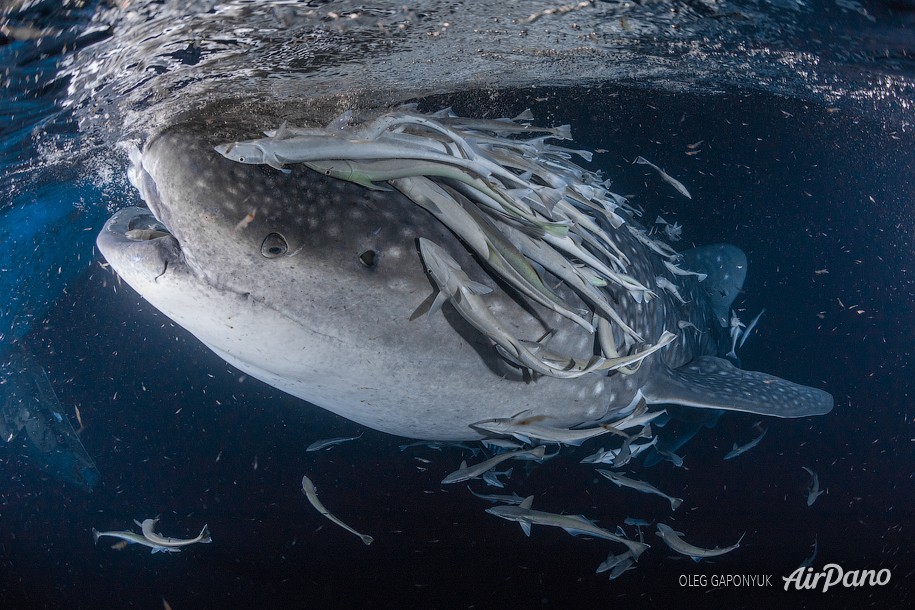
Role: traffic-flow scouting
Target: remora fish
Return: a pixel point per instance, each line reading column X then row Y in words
column 525, row 426
column 749, row 328
column 665, row 176
column 133, row 538
column 607, row 457
column 332, row 268
column 308, row 488
column 330, row 442
column 641, row 486
column 744, row 448
column 813, row 491
column 150, row 534
column 735, row 330
column 573, row 524
column 465, row 473
column 501, row 498
column 675, row 541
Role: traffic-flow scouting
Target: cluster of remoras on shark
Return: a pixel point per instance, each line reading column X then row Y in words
column 522, row 206
column 518, row 204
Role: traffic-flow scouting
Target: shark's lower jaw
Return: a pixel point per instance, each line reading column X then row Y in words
column 139, row 246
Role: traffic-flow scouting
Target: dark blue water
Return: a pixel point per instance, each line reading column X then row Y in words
column 802, row 186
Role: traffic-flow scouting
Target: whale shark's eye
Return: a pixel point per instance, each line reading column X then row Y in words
column 274, row 245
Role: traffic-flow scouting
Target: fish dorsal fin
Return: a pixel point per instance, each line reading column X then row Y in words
column 527, row 502
column 526, row 115
column 476, row 287
column 725, row 267
column 282, row 132
column 714, row 383
column 463, row 465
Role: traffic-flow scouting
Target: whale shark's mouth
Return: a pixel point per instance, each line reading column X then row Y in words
column 145, row 227
column 139, row 244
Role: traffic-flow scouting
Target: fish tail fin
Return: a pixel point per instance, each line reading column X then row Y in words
column 563, row 132
column 205, row 535
column 95, row 536
column 675, row 502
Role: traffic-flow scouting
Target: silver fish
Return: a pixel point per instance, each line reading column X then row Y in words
column 134, row 538
column 573, row 524
column 813, row 491
column 150, row 534
column 330, row 442
column 465, row 472
column 308, row 488
column 675, row 541
column 665, row 176
column 621, row 481
column 739, row 450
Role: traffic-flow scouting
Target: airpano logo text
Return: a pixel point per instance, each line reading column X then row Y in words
column 832, row 575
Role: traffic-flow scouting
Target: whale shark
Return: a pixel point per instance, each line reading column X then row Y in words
column 310, row 278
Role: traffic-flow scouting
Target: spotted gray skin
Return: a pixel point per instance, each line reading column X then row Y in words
column 314, row 296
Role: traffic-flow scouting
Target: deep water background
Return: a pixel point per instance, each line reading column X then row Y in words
column 176, row 432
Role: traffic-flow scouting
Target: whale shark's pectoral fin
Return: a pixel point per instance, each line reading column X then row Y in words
column 714, row 383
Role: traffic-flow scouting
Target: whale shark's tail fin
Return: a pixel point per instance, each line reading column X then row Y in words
column 714, row 383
